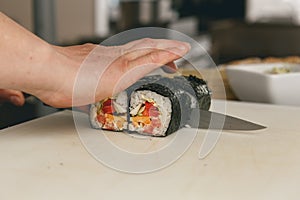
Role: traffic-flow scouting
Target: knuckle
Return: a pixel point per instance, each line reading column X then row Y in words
column 154, row 57
column 88, row 46
column 122, row 51
column 125, row 64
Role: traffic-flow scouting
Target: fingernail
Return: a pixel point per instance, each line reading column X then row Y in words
column 15, row 100
column 184, row 46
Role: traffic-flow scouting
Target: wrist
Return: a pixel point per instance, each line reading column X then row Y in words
column 49, row 73
column 35, row 69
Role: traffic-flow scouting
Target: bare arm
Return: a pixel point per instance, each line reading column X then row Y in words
column 22, row 55
column 48, row 72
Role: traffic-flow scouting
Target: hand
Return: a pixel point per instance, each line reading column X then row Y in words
column 13, row 96
column 108, row 69
column 31, row 65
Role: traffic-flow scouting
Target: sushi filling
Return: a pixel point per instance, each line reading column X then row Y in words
column 149, row 113
column 111, row 114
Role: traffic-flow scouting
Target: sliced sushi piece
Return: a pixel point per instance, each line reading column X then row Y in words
column 110, row 113
column 150, row 113
column 157, row 110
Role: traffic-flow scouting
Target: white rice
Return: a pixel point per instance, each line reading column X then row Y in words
column 162, row 103
column 120, row 105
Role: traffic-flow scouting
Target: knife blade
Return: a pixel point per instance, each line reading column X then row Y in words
column 204, row 119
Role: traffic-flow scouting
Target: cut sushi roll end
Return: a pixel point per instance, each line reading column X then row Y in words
column 110, row 113
column 150, row 113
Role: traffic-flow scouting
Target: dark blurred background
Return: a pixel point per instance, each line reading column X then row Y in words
column 227, row 29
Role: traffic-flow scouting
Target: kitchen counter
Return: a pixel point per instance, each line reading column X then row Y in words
column 45, row 159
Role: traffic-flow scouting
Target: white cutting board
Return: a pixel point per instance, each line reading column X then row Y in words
column 44, row 159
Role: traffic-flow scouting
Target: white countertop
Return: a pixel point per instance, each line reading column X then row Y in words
column 45, row 159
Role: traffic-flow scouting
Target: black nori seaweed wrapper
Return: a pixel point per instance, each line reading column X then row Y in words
column 193, row 85
column 184, row 100
column 143, row 81
column 203, row 94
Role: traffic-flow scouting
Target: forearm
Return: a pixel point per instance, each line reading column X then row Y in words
column 22, row 55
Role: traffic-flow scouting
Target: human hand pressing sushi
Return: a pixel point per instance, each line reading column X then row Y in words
column 49, row 72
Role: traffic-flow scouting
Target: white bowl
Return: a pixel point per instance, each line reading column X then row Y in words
column 253, row 82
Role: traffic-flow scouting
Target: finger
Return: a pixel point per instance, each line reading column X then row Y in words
column 13, row 96
column 154, row 43
column 134, row 54
column 170, row 68
column 158, row 57
column 133, row 70
column 146, row 46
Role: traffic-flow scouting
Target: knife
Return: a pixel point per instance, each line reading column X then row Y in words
column 204, row 119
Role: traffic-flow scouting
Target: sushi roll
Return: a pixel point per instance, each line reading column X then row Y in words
column 200, row 91
column 110, row 113
column 155, row 106
column 155, row 110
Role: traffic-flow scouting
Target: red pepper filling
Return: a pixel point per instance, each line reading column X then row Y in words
column 107, row 119
column 149, row 119
column 107, row 107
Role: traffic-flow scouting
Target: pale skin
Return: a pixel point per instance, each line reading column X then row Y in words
column 31, row 65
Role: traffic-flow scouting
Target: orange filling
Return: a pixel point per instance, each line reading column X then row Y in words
column 145, row 120
column 106, row 118
column 150, row 111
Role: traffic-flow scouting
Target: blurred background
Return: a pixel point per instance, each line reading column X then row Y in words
column 227, row 29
